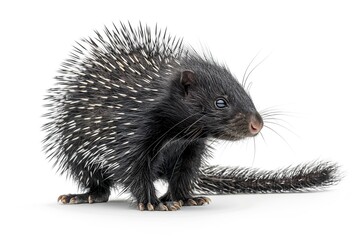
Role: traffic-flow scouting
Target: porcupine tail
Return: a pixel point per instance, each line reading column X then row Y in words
column 302, row 178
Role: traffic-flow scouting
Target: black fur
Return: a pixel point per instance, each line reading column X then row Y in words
column 134, row 106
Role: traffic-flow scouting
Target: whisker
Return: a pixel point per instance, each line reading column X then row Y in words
column 247, row 68
column 279, row 136
column 272, row 111
column 267, row 118
column 256, row 67
column 275, row 113
column 262, row 136
column 249, row 87
column 276, row 107
column 252, row 164
column 280, row 125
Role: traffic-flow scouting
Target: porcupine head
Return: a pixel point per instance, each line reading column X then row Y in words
column 213, row 100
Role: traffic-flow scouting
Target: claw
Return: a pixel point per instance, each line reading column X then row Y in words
column 173, row 205
column 72, row 200
column 161, row 207
column 83, row 198
column 191, row 202
column 90, row 199
column 196, row 201
column 177, row 205
column 207, row 200
column 62, row 199
column 173, row 208
column 150, row 207
column 202, row 200
column 141, row 206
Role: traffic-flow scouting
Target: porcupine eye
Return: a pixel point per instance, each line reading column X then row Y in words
column 220, row 103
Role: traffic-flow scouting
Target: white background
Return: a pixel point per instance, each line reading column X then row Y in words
column 312, row 73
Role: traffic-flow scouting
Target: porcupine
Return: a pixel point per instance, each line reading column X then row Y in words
column 134, row 105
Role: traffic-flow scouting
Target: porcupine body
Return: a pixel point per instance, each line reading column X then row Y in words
column 132, row 106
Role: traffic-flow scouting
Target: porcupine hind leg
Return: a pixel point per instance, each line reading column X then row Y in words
column 97, row 185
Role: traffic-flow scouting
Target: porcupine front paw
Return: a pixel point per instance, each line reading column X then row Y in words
column 183, row 201
column 83, row 198
column 161, row 206
column 195, row 201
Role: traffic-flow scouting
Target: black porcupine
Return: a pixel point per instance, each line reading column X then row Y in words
column 133, row 106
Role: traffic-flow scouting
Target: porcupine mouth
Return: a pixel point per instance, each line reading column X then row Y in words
column 233, row 136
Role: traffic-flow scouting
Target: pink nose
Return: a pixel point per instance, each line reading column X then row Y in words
column 255, row 125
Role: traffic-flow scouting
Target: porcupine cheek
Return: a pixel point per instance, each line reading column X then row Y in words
column 237, row 127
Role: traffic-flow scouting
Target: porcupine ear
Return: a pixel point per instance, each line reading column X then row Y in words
column 187, row 78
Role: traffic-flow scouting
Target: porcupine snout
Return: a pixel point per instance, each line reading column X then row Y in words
column 255, row 123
